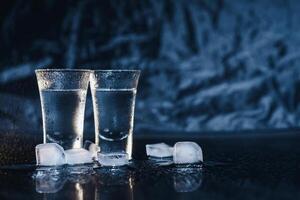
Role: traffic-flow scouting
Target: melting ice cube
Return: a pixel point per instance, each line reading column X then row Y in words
column 187, row 152
column 159, row 150
column 92, row 147
column 78, row 156
column 49, row 154
column 113, row 159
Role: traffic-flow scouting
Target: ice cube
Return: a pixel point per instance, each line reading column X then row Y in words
column 159, row 150
column 92, row 147
column 78, row 156
column 49, row 154
column 187, row 152
column 113, row 159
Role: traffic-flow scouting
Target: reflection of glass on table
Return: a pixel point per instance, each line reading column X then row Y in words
column 58, row 183
column 114, row 184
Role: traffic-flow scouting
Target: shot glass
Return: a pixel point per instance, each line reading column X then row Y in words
column 63, row 96
column 113, row 93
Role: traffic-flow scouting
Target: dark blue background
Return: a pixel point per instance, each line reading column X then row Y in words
column 206, row 65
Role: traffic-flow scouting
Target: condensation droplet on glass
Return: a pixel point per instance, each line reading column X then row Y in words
column 56, row 133
column 106, row 130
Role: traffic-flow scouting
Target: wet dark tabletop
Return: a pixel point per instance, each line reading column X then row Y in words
column 236, row 166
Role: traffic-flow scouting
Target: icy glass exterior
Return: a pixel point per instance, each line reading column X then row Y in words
column 114, row 93
column 63, row 97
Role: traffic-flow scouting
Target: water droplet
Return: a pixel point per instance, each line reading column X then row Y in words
column 106, row 130
column 56, row 133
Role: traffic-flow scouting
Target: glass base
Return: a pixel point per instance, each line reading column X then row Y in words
column 113, row 159
column 110, row 147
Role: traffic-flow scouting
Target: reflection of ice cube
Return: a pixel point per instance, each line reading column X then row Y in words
column 78, row 156
column 187, row 179
column 92, row 147
column 49, row 180
column 113, row 159
column 187, row 152
column 80, row 173
column 49, row 154
column 159, row 150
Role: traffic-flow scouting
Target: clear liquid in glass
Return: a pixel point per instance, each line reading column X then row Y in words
column 63, row 115
column 114, row 114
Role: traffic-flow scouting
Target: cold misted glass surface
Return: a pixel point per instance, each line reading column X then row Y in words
column 114, row 94
column 63, row 97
